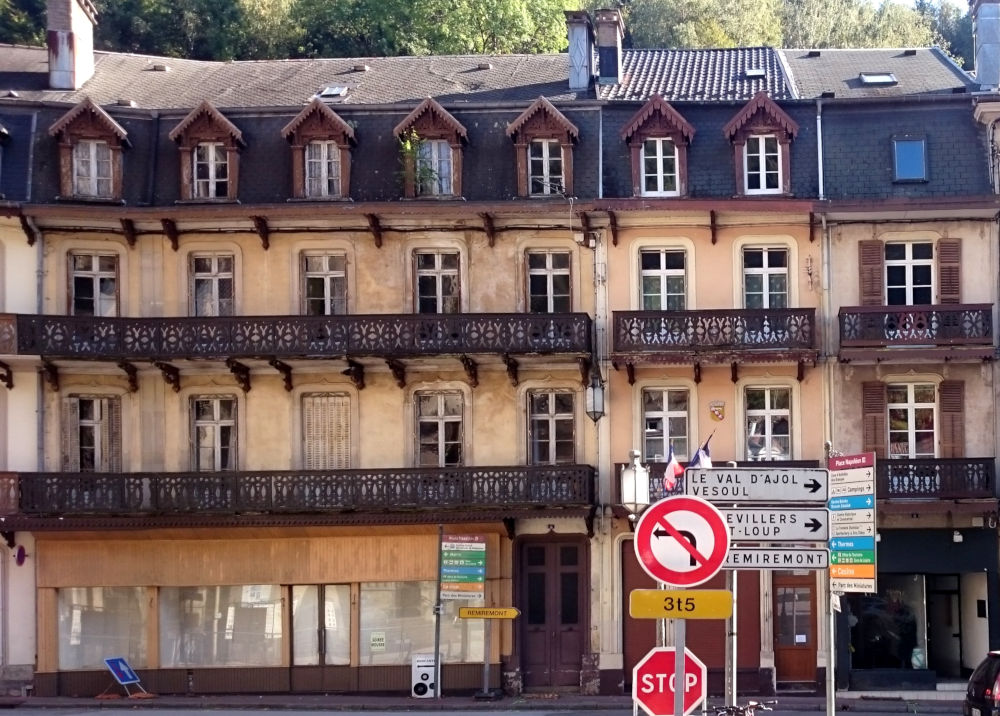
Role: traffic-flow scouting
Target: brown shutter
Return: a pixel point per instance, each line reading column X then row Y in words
column 870, row 261
column 951, row 408
column 111, row 435
column 949, row 261
column 326, row 431
column 71, row 435
column 873, row 407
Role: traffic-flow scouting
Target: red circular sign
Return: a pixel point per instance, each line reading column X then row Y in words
column 653, row 682
column 681, row 541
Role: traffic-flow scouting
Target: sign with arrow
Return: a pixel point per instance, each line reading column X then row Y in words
column 852, row 523
column 764, row 484
column 776, row 524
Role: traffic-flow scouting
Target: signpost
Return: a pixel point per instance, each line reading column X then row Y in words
column 463, row 567
column 655, row 681
column 853, row 516
column 487, row 613
column 680, row 604
column 776, row 524
column 763, row 484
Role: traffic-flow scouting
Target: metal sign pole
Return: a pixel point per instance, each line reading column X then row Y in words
column 831, row 677
column 680, row 644
column 488, row 626
column 437, row 619
column 732, row 579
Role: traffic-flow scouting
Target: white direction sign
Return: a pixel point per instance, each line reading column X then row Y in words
column 763, row 484
column 776, row 524
column 776, row 558
column 852, row 505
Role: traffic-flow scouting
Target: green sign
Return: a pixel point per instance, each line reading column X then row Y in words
column 861, row 556
column 463, row 567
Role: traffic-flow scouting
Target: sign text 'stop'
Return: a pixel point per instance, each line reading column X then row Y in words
column 763, row 484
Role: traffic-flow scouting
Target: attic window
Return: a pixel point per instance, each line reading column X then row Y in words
column 753, row 73
column 332, row 92
column 813, row 53
column 877, row 78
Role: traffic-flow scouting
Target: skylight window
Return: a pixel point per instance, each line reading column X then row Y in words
column 332, row 92
column 753, row 73
column 877, row 78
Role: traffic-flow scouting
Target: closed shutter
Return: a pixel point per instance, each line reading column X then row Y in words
column 949, row 261
column 870, row 262
column 326, row 431
column 111, row 435
column 951, row 408
column 71, row 435
column 873, row 407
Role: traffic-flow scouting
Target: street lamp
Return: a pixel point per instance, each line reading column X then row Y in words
column 635, row 486
column 595, row 397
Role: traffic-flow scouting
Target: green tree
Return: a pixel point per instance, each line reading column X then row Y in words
column 952, row 29
column 22, row 22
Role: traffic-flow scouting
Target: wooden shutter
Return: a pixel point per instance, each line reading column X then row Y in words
column 873, row 407
column 71, row 435
column 871, row 256
column 949, row 263
column 326, row 431
column 951, row 410
column 111, row 435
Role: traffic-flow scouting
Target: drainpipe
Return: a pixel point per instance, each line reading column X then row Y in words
column 819, row 148
column 39, row 309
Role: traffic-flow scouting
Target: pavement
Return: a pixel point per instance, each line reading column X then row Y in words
column 870, row 702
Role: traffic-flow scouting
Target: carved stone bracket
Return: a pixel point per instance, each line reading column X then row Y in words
column 51, row 375
column 509, row 524
column 630, row 372
column 697, row 372
column 6, row 375
column 489, row 228
column 285, row 370
column 170, row 229
column 511, row 364
column 171, row 375
column 241, row 372
column 713, row 227
column 613, row 226
column 133, row 375
column 356, row 372
column 800, row 371
column 128, row 228
column 398, row 369
column 589, row 521
column 263, row 230
column 375, row 226
column 584, row 365
column 471, row 370
column 734, row 372
column 29, row 231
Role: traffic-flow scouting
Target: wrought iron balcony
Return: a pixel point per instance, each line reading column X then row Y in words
column 935, row 479
column 787, row 333
column 941, row 325
column 295, row 491
column 378, row 336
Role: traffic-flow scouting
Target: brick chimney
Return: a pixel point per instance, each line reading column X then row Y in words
column 71, row 42
column 610, row 31
column 986, row 32
column 581, row 49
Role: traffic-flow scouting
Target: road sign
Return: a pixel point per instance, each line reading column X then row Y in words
column 853, row 517
column 681, row 541
column 776, row 558
column 776, row 524
column 120, row 669
column 680, row 604
column 488, row 612
column 763, row 484
column 653, row 682
column 463, row 566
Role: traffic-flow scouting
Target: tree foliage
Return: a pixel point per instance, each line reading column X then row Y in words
column 20, row 22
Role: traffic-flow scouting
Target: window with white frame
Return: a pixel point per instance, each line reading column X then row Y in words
column 762, row 164
column 213, row 427
column 437, row 279
column 93, row 284
column 92, row 168
column 659, row 167
column 326, row 431
column 212, row 284
column 211, row 170
column 92, row 434
column 664, row 423
column 765, row 278
column 325, row 279
column 322, row 169
column 909, row 273
column 549, row 282
column 663, row 279
column 551, row 421
column 768, row 417
column 439, row 429
column 911, row 409
column 434, row 168
column 545, row 167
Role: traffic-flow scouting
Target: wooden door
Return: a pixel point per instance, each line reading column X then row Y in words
column 553, row 612
column 794, row 627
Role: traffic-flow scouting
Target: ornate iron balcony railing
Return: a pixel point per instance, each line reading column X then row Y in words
column 291, row 491
column 728, row 330
column 935, row 478
column 380, row 336
column 942, row 325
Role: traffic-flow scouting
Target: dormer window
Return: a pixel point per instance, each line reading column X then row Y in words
column 434, row 172
column 211, row 171
column 209, row 145
column 321, row 153
column 322, row 169
column 543, row 146
column 761, row 135
column 658, row 137
column 90, row 153
column 92, row 169
column 545, row 167
column 431, row 141
column 762, row 165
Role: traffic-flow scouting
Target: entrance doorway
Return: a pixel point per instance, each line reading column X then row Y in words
column 553, row 585
column 794, row 627
column 944, row 630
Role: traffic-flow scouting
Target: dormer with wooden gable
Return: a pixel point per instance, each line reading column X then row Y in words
column 431, row 141
column 90, row 153
column 321, row 153
column 658, row 138
column 761, row 133
column 210, row 159
column 543, row 145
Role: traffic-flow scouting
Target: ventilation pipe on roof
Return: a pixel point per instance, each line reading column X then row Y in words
column 581, row 49
column 610, row 31
column 986, row 33
column 70, row 40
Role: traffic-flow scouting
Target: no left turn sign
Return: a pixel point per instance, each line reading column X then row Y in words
column 681, row 541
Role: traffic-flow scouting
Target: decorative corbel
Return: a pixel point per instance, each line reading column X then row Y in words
column 812, row 227
column 398, row 369
column 171, row 375
column 8, row 538
column 697, row 373
column 471, row 370
column 511, row 368
column 489, row 228
column 241, row 372
column 613, row 226
column 128, row 227
column 630, row 372
column 734, row 372
column 589, row 521
column 375, row 226
column 133, row 375
column 285, row 370
column 713, row 227
column 51, row 375
column 170, row 229
column 356, row 372
column 263, row 230
column 584, row 365
column 29, row 230
column 800, row 372
column 6, row 375
column 509, row 525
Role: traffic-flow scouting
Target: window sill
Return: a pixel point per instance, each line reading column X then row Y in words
column 207, row 201
column 925, row 180
column 434, row 197
column 90, row 200
column 320, row 199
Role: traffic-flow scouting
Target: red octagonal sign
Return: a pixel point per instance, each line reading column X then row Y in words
column 653, row 682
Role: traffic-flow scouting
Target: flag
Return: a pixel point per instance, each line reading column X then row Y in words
column 702, row 457
column 672, row 470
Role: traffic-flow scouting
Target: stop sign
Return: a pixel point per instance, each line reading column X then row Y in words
column 653, row 682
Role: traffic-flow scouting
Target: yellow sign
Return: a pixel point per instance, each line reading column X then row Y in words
column 680, row 604
column 488, row 612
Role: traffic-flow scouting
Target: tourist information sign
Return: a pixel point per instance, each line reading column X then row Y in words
column 852, row 505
